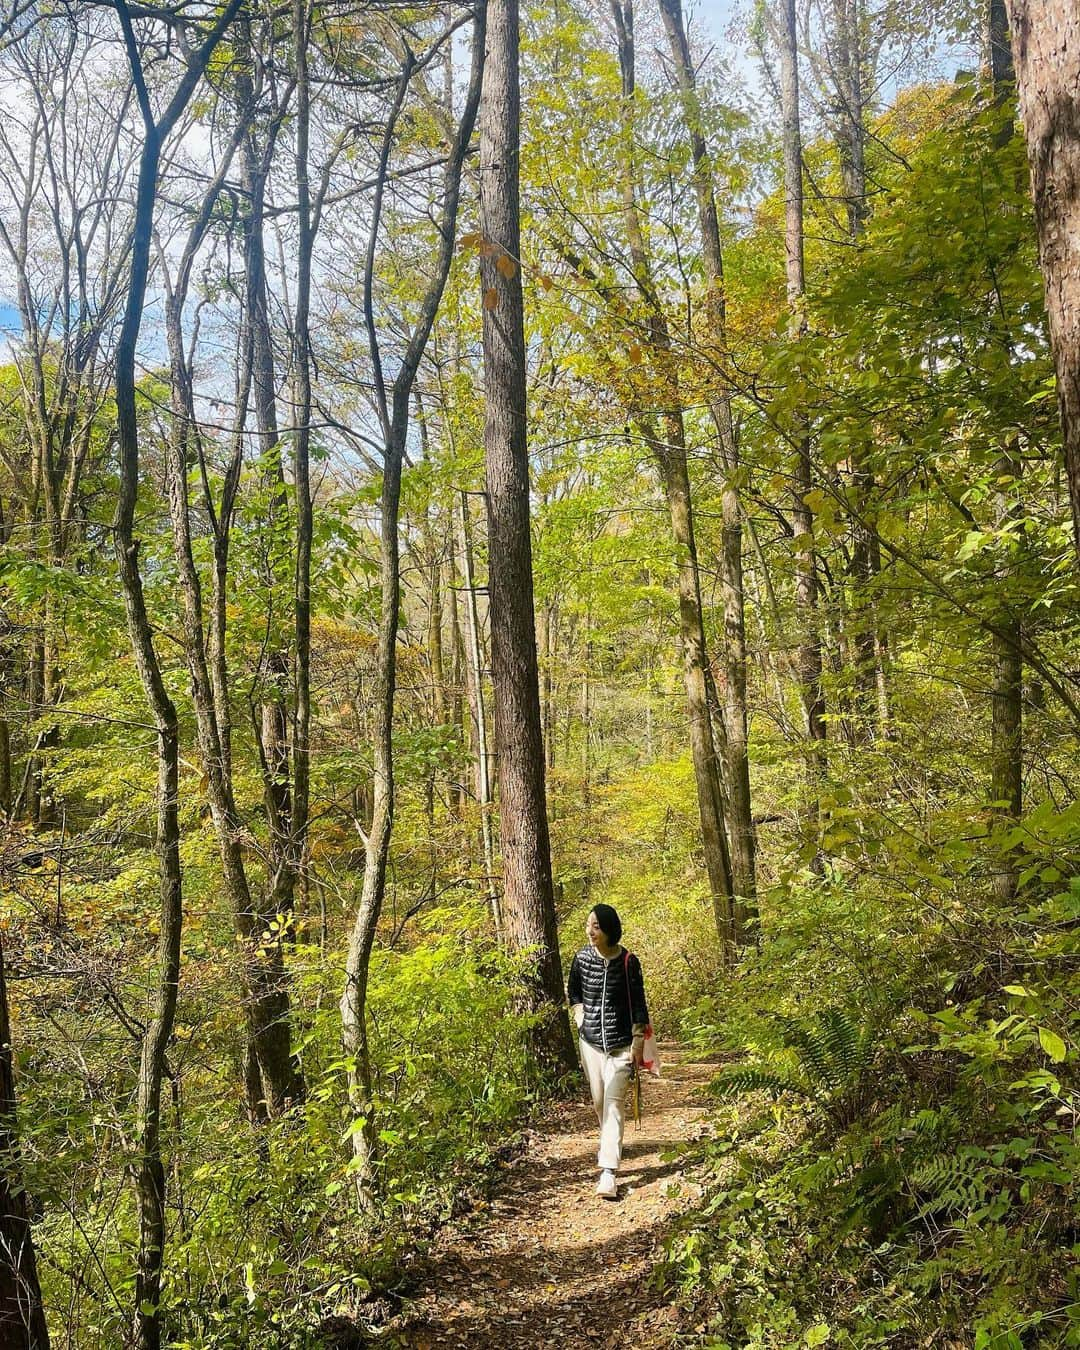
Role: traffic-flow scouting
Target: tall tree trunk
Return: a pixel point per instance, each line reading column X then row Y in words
column 22, row 1314
column 1046, row 49
column 475, row 685
column 294, row 845
column 808, row 657
column 266, row 993
column 528, row 900
column 998, row 49
column 269, row 1021
column 286, row 849
column 266, row 989
column 458, row 667
column 671, row 455
column 438, row 684
column 149, row 1168
column 393, row 407
column 846, row 47
column 376, row 840
column 740, row 816
column 669, row 450
column 846, row 62
column 150, row 1171
column 435, row 641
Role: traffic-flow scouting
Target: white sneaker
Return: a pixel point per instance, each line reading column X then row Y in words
column 607, row 1186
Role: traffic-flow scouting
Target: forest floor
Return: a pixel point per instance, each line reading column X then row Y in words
column 544, row 1261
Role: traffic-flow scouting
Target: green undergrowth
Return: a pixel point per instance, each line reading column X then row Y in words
column 894, row 1153
column 265, row 1243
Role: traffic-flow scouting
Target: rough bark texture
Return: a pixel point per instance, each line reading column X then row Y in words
column 22, row 1316
column 528, row 900
column 1046, row 49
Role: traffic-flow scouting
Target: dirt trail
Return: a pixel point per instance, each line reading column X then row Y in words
column 547, row 1262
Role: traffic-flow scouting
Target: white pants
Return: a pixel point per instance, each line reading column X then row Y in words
column 608, row 1077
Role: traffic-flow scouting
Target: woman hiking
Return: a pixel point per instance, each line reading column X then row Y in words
column 606, row 991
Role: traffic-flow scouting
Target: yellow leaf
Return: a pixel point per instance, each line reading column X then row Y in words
column 635, row 355
column 506, row 265
column 470, row 240
column 546, row 281
column 491, row 298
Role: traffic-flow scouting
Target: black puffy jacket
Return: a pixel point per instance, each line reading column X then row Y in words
column 611, row 1014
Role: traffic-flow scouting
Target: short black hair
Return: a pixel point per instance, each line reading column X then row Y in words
column 610, row 923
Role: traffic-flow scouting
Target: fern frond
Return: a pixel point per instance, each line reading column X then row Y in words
column 740, row 1079
column 951, row 1182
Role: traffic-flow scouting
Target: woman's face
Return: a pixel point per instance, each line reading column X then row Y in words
column 594, row 932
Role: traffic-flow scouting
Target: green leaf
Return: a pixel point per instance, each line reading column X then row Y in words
column 1052, row 1043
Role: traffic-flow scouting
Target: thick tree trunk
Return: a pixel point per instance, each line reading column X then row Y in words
column 22, row 1314
column 1046, row 49
column 528, row 900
